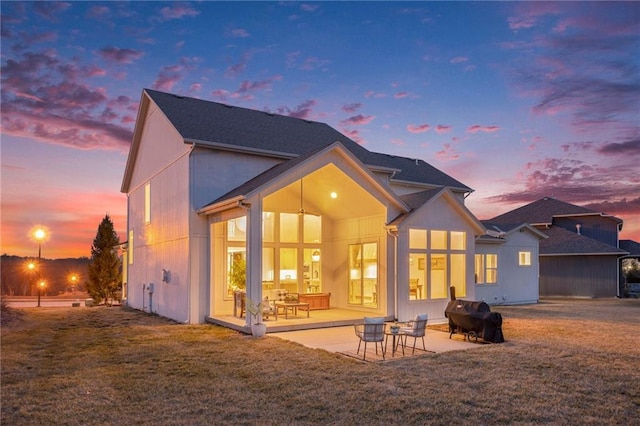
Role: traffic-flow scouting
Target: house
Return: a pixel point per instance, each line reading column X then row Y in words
column 506, row 264
column 307, row 210
column 581, row 256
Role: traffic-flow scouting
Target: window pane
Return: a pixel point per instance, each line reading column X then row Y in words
column 417, row 276
column 312, row 270
column 492, row 261
column 418, row 238
column 479, row 268
column 459, row 274
column 524, row 258
column 288, row 227
column 289, row 269
column 268, row 226
column 439, row 240
column 237, row 229
column 492, row 276
column 268, row 263
column 370, row 272
column 312, row 231
column 438, row 280
column 458, row 240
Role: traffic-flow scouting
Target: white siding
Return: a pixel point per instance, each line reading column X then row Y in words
column 516, row 284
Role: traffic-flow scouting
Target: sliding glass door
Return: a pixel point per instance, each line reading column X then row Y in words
column 363, row 274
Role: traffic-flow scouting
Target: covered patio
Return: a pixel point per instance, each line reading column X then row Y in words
column 324, row 318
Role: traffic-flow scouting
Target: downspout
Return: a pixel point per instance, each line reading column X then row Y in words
column 193, row 146
column 395, row 273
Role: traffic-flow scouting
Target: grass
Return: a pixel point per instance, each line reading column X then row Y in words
column 564, row 362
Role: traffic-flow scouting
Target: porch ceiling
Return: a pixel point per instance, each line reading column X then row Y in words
column 351, row 201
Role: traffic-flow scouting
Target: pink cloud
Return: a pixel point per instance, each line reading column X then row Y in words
column 301, row 111
column 420, row 128
column 459, row 59
column 351, row 108
column 375, row 95
column 239, row 33
column 120, row 56
column 478, row 128
column 177, row 11
column 447, row 153
column 401, row 95
column 50, row 10
column 398, row 142
column 167, row 77
column 353, row 135
column 441, row 128
column 358, row 120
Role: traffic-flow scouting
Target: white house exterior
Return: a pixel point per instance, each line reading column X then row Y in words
column 506, row 264
column 309, row 210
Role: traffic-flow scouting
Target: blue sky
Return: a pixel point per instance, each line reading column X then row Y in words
column 518, row 100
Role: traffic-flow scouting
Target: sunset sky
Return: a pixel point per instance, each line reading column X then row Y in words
column 518, row 100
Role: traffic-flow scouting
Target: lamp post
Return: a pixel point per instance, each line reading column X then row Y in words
column 74, row 279
column 39, row 234
column 41, row 286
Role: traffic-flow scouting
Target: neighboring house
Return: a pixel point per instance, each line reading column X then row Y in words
column 506, row 264
column 581, row 257
column 305, row 208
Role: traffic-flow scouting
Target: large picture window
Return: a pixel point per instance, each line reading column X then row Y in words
column 437, row 261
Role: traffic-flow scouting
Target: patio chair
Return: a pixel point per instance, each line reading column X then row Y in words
column 371, row 331
column 415, row 328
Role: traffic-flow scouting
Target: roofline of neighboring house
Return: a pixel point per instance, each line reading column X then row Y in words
column 608, row 216
column 582, row 254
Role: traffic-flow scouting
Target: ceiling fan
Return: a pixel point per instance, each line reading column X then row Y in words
column 302, row 211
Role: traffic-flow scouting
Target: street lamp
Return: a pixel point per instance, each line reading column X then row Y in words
column 74, row 279
column 39, row 234
column 41, row 286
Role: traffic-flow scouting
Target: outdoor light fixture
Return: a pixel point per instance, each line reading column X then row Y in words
column 315, row 256
column 41, row 286
column 334, row 195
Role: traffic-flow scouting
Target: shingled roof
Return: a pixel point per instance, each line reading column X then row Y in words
column 563, row 242
column 229, row 127
column 543, row 211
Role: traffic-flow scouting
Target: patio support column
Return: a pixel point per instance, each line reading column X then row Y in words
column 254, row 253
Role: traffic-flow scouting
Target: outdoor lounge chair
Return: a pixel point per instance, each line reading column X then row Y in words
column 371, row 331
column 415, row 328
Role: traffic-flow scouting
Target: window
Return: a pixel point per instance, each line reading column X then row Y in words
column 363, row 274
column 130, row 248
column 237, row 229
column 438, row 240
column 147, row 203
column 436, row 264
column 289, row 227
column 268, row 227
column 486, row 268
column 524, row 258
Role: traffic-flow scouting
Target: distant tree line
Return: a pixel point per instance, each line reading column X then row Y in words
column 17, row 279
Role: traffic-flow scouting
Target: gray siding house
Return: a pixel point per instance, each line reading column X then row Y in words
column 581, row 256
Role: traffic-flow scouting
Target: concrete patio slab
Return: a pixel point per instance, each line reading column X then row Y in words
column 343, row 339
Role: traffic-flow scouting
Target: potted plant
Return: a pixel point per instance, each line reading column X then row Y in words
column 238, row 273
column 258, row 328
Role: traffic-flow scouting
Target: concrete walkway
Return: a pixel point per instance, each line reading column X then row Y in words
column 342, row 339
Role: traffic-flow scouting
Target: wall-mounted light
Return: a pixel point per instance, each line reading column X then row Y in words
column 166, row 276
column 315, row 256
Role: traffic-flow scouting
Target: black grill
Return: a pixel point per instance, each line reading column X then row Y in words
column 474, row 320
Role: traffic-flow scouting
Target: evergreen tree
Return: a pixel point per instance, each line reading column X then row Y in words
column 105, row 276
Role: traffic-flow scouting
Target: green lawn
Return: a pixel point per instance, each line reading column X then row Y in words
column 564, row 362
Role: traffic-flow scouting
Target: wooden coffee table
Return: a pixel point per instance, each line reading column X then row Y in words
column 292, row 307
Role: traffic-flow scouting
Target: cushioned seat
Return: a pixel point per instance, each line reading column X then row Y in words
column 371, row 331
column 415, row 328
